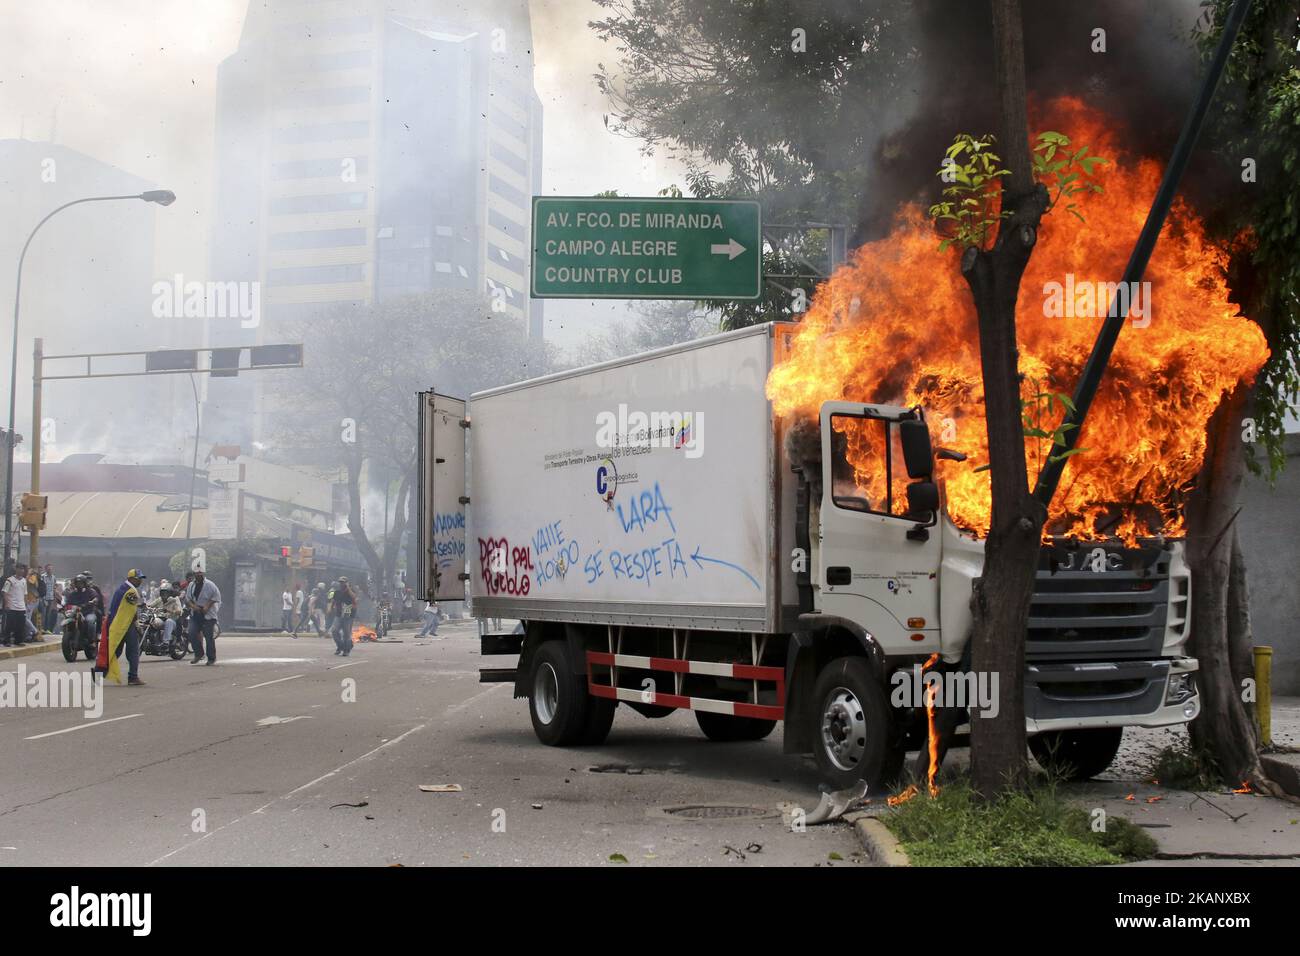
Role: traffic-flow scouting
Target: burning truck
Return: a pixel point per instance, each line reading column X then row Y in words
column 781, row 522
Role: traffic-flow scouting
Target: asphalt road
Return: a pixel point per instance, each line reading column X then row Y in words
column 256, row 761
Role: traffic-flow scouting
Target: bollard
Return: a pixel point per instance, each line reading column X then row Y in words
column 1264, row 694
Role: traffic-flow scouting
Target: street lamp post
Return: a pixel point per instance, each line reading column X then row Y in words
column 163, row 197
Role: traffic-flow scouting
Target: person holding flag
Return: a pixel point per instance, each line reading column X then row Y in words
column 119, row 629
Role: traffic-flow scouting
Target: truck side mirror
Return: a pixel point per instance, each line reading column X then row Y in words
column 922, row 499
column 915, row 438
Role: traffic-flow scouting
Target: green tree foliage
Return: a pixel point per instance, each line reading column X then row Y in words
column 782, row 103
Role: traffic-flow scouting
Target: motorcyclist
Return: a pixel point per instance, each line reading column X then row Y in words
column 87, row 598
column 170, row 607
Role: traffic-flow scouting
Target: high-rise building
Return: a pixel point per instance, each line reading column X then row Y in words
column 373, row 148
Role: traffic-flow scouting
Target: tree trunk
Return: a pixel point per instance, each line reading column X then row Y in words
column 1000, row 602
column 355, row 526
column 393, row 543
column 1220, row 633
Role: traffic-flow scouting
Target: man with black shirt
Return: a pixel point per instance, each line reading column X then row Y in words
column 342, row 605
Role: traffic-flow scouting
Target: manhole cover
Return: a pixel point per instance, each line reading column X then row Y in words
column 716, row 812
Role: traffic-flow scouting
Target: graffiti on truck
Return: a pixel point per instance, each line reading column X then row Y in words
column 505, row 569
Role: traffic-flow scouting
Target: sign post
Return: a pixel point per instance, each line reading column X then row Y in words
column 646, row 248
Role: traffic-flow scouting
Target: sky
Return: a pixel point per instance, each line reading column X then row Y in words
column 132, row 82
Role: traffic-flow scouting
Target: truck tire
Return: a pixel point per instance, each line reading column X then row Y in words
column 1076, row 755
column 724, row 728
column 852, row 731
column 600, row 717
column 557, row 699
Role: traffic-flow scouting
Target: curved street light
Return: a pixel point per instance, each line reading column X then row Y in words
column 163, row 197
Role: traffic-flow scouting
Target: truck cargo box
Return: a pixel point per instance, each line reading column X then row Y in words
column 649, row 491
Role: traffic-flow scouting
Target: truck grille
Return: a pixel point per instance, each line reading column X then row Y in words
column 1115, row 612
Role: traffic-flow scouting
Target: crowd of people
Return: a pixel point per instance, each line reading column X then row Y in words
column 36, row 603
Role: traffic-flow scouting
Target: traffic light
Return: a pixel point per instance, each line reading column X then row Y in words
column 32, row 516
column 285, row 557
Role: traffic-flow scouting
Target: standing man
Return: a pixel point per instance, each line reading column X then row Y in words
column 204, row 601
column 120, row 630
column 342, row 606
column 286, row 610
column 50, row 615
column 299, row 609
column 35, row 595
column 15, row 601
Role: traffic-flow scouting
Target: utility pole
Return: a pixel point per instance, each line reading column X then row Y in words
column 36, row 443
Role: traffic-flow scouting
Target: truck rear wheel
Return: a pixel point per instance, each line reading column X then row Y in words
column 726, row 728
column 557, row 698
column 600, row 717
column 852, row 731
column 1076, row 755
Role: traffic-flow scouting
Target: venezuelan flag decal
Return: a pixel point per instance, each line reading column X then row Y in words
column 118, row 620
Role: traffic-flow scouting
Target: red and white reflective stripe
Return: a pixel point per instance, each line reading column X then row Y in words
column 674, row 665
column 677, row 666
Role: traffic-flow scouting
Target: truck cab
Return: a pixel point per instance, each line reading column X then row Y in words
column 1107, row 626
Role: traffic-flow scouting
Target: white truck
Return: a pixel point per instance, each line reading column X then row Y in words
column 668, row 542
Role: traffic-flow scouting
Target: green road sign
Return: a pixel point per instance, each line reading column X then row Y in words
column 589, row 248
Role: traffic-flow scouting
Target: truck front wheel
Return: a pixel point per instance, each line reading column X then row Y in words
column 1076, row 755
column 852, row 731
column 725, row 728
column 557, row 698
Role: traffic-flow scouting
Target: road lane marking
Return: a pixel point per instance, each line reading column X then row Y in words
column 336, row 770
column 456, row 708
column 268, row 721
column 264, row 660
column 368, row 753
column 89, row 723
column 348, row 664
column 267, row 683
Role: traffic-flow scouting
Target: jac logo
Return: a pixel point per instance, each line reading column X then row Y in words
column 1098, row 560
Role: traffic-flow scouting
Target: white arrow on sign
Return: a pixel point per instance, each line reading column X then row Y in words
column 730, row 249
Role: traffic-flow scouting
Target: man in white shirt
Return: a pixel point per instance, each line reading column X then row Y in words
column 286, row 610
column 299, row 609
column 15, row 602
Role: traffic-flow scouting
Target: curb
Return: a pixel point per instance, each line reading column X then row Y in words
column 1284, row 773
column 881, row 846
column 27, row 650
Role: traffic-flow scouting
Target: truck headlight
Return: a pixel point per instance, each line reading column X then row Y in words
column 1181, row 687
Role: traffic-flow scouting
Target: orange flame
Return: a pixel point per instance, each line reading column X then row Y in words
column 897, row 325
column 932, row 773
column 1244, row 788
column 362, row 633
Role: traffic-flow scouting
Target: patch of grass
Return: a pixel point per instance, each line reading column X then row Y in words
column 1034, row 828
column 1184, row 767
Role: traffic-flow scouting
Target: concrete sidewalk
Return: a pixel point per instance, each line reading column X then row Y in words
column 1207, row 826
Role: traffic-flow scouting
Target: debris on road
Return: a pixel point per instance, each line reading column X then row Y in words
column 363, row 803
column 441, row 787
column 617, row 858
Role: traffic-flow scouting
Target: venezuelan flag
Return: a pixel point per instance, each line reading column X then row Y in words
column 118, row 620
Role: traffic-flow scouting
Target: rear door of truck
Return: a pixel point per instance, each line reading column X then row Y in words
column 441, row 502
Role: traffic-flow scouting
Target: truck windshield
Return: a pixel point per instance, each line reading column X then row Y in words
column 864, row 455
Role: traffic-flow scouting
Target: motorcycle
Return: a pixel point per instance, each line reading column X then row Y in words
column 78, row 635
column 152, row 640
column 384, row 623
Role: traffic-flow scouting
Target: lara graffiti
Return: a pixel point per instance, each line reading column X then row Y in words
column 504, row 569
